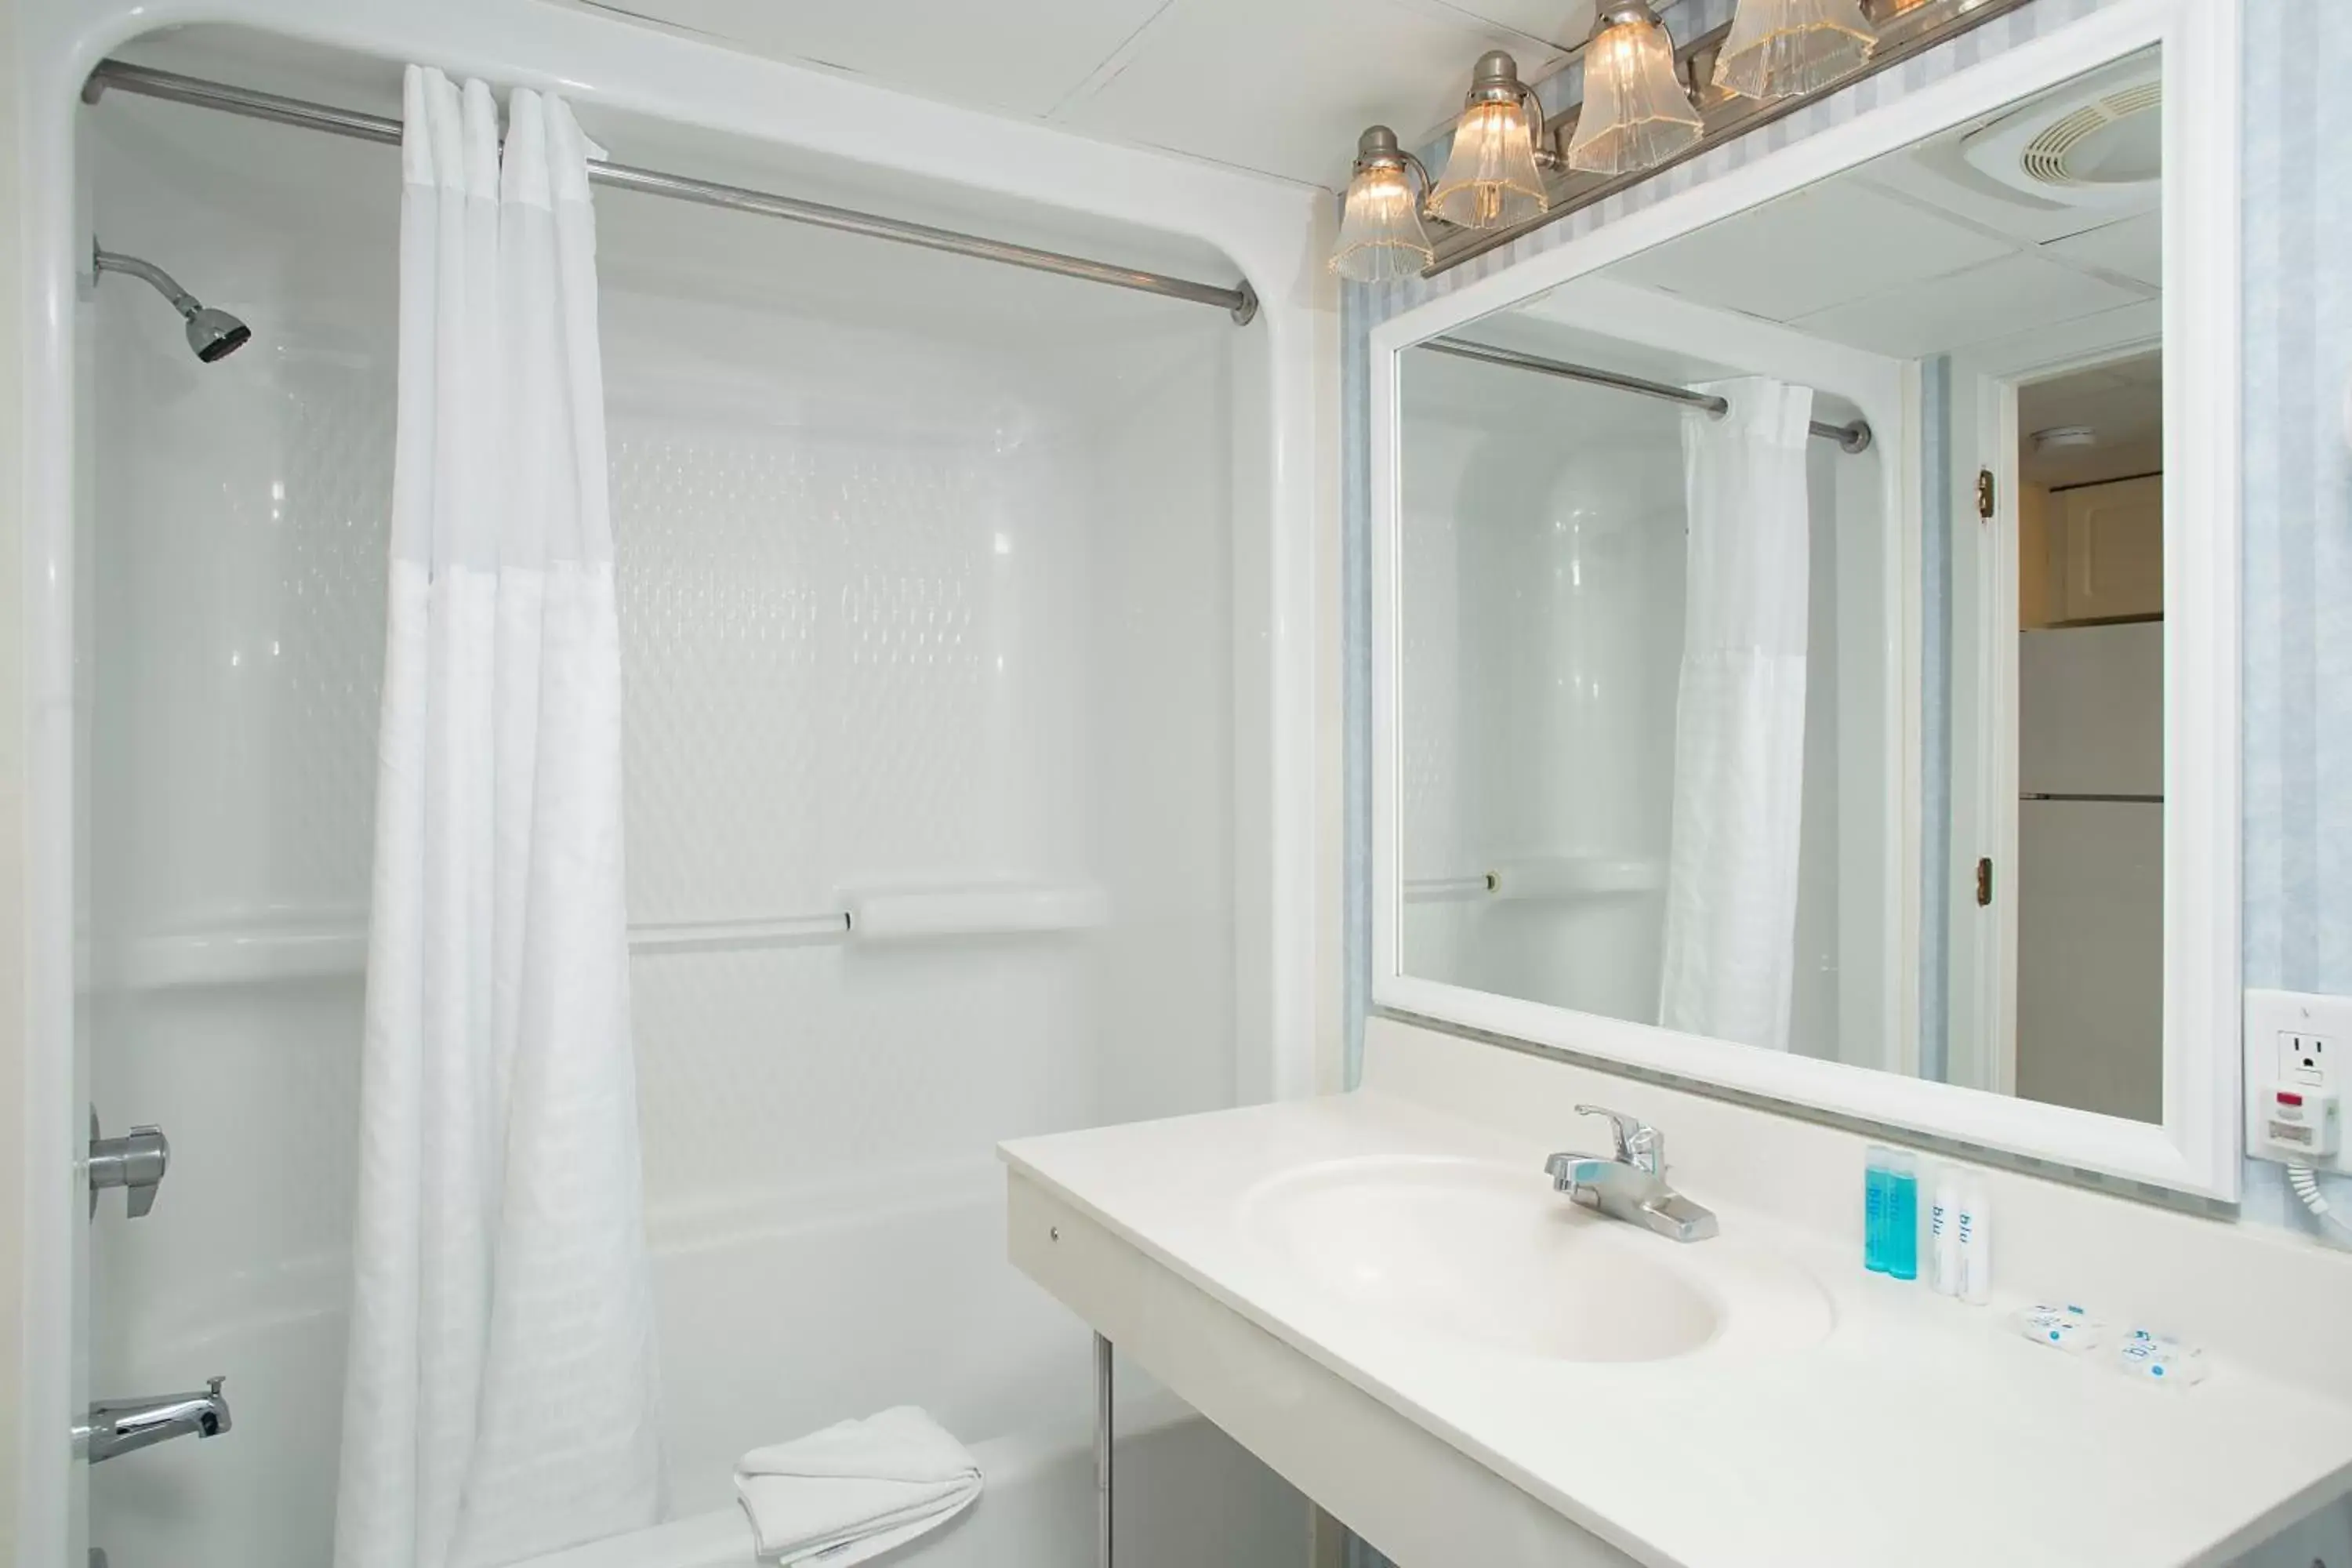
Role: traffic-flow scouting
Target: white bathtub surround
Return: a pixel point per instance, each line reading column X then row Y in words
column 1739, row 723
column 500, row 1390
column 855, row 1489
column 920, row 582
column 1757, row 1431
column 808, row 486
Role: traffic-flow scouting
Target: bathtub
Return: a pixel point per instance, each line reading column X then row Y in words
column 1037, row 1509
column 918, row 1305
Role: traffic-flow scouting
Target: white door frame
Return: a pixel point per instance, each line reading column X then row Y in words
column 1987, row 384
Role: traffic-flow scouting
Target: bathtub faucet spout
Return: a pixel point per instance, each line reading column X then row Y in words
column 122, row 1426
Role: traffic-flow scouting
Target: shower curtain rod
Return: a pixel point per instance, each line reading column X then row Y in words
column 1854, row 437
column 1240, row 301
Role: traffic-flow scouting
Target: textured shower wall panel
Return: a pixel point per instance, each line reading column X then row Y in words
column 834, row 682
column 892, row 618
column 805, row 611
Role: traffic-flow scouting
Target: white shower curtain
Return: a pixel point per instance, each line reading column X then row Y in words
column 1739, row 719
column 500, row 1395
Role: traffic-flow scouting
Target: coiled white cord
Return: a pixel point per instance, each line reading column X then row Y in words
column 2305, row 1183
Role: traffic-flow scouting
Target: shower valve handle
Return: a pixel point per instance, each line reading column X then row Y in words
column 136, row 1163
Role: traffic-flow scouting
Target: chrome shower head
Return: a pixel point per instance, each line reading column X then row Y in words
column 216, row 334
column 212, row 334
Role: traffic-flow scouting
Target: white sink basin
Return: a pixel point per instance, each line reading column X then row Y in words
column 1490, row 1254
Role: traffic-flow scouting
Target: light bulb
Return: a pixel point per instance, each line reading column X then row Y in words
column 1636, row 113
column 1380, row 234
column 1786, row 48
column 1491, row 180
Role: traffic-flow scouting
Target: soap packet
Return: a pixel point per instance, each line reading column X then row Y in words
column 2067, row 1328
column 2142, row 1354
column 2158, row 1358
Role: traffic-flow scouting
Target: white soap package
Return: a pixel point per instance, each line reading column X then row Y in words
column 2141, row 1354
column 2158, row 1358
column 2069, row 1328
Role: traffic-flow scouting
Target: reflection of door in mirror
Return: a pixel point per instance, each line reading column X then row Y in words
column 2053, row 686
column 2088, row 925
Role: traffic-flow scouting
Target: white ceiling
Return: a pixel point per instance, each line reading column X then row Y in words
column 1279, row 85
column 1915, row 254
column 1858, row 262
column 2122, row 403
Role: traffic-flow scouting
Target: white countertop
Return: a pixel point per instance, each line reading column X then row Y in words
column 1919, row 1431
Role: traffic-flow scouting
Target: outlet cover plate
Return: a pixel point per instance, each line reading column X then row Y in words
column 2301, row 1039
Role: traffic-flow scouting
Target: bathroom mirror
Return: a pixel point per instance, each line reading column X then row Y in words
column 1804, row 621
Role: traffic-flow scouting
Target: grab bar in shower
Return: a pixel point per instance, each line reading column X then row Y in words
column 763, row 931
column 1541, row 877
column 1448, row 890
column 292, row 944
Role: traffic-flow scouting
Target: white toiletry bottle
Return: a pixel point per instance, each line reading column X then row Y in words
column 1974, row 1236
column 1943, row 1234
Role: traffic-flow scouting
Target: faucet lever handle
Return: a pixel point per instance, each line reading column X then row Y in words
column 1637, row 1142
column 136, row 1163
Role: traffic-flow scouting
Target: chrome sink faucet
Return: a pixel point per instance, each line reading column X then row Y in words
column 1631, row 1184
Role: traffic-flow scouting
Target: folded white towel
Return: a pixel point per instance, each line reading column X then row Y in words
column 855, row 1489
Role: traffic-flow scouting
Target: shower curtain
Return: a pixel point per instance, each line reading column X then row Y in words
column 499, row 1394
column 1739, row 718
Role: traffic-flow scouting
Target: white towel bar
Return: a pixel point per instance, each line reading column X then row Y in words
column 1447, row 889
column 1541, row 877
column 245, row 948
column 759, row 930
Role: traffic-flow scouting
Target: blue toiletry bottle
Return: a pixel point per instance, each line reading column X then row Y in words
column 1903, row 1217
column 1877, row 1197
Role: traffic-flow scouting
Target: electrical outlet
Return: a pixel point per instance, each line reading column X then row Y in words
column 2303, row 1058
column 2299, row 1043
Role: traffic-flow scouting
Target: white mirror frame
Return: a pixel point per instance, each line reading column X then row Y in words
column 2196, row 1150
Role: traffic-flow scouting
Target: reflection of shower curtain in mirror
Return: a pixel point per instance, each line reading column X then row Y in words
column 1739, row 719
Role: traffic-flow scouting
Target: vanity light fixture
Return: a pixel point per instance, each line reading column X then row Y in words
column 1380, row 234
column 1786, row 48
column 1646, row 104
column 1491, row 177
column 1637, row 114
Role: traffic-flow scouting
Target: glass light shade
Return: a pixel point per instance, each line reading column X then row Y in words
column 1381, row 235
column 1783, row 48
column 1636, row 113
column 1490, row 176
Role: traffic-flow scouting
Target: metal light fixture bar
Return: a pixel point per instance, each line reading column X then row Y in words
column 1904, row 30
